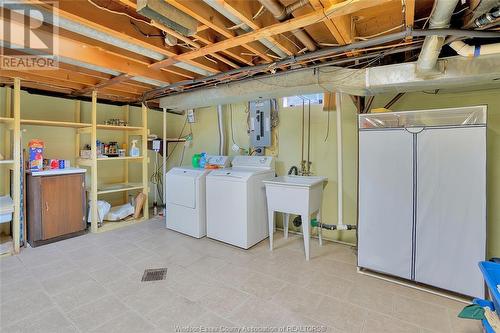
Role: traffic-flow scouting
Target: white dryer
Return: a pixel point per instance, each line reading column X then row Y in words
column 185, row 198
column 236, row 201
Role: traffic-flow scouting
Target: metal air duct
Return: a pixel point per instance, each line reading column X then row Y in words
column 440, row 18
column 282, row 13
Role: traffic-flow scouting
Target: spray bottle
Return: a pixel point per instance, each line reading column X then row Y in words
column 134, row 151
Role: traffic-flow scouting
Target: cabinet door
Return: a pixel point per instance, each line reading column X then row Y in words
column 62, row 205
column 386, row 201
column 451, row 208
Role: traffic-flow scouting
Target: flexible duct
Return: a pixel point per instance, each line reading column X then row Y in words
column 467, row 50
column 222, row 141
column 282, row 13
column 440, row 18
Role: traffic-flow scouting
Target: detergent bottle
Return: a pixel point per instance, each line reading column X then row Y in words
column 203, row 159
column 134, row 151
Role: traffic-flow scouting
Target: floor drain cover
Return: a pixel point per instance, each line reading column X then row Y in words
column 156, row 274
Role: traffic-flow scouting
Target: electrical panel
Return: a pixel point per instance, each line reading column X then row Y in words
column 260, row 123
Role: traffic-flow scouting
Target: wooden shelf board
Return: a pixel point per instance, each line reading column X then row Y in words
column 108, row 225
column 6, row 120
column 119, row 187
column 54, row 123
column 84, row 161
column 119, row 128
column 6, row 161
column 119, row 158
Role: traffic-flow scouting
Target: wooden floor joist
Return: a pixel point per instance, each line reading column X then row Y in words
column 335, row 10
column 117, row 50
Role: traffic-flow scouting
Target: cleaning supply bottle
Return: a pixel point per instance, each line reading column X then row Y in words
column 134, row 151
column 203, row 160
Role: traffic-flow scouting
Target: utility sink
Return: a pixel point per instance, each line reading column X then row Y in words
column 304, row 181
column 299, row 195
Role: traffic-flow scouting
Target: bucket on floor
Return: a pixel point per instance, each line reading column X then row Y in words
column 491, row 274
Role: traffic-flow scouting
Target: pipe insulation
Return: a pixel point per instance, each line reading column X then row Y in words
column 325, row 52
column 476, row 73
column 467, row 50
column 440, row 18
column 222, row 141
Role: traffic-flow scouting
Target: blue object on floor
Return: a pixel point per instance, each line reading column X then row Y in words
column 483, row 303
column 491, row 274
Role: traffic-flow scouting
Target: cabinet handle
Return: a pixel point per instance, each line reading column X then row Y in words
column 47, row 206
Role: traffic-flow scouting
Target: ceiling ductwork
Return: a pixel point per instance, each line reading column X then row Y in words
column 282, row 13
column 167, row 15
column 215, row 4
column 440, row 18
column 455, row 73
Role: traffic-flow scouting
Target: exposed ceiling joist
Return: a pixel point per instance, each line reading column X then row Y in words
column 103, row 84
column 335, row 10
column 43, row 78
column 211, row 18
column 240, row 10
column 340, row 28
column 69, row 48
column 207, row 64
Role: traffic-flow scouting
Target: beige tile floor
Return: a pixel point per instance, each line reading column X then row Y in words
column 92, row 284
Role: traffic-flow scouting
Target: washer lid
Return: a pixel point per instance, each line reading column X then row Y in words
column 232, row 174
column 187, row 172
column 181, row 185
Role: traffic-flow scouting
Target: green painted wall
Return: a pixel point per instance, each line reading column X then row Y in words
column 323, row 152
column 60, row 142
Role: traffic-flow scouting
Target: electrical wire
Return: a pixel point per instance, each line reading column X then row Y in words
column 157, row 175
column 231, row 123
column 136, row 27
column 259, row 13
column 327, row 125
column 117, row 12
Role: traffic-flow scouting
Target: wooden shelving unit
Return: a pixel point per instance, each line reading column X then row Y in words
column 119, row 128
column 119, row 187
column 12, row 122
column 93, row 163
column 54, row 123
column 12, row 153
column 6, row 120
column 130, row 158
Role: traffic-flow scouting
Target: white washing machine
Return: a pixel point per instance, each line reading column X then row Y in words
column 185, row 198
column 236, row 201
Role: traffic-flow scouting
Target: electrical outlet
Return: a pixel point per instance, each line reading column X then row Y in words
column 190, row 115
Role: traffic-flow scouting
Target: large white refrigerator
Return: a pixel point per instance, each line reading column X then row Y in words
column 422, row 196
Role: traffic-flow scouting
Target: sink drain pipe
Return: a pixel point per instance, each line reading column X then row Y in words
column 315, row 223
column 297, row 221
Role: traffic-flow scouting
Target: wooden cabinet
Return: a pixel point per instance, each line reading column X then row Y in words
column 55, row 207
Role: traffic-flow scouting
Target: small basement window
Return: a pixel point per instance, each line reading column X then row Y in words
column 292, row 101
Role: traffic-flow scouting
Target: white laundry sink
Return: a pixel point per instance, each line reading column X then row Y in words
column 291, row 180
column 300, row 195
